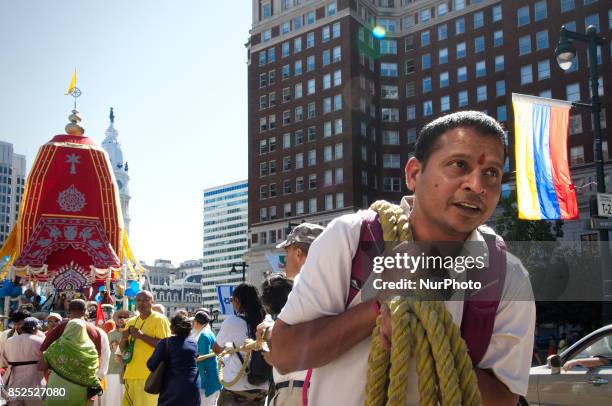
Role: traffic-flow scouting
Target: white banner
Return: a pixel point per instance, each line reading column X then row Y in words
column 224, row 293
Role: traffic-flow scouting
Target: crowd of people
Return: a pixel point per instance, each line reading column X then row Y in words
column 312, row 322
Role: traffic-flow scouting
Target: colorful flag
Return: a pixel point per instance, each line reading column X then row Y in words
column 224, row 292
column 72, row 83
column 544, row 186
column 276, row 261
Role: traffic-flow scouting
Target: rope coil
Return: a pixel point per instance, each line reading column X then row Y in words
column 421, row 329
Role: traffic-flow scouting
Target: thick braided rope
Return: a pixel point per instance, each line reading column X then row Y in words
column 241, row 372
column 445, row 375
column 378, row 364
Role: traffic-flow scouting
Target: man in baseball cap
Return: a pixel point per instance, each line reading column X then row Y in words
column 297, row 244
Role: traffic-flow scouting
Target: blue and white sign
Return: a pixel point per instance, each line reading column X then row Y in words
column 224, row 293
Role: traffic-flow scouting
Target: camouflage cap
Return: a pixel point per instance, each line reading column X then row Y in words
column 304, row 233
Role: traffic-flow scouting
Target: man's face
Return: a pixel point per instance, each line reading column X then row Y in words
column 293, row 261
column 121, row 319
column 459, row 188
column 144, row 303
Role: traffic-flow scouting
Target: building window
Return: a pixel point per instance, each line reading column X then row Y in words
column 312, row 157
column 263, row 124
column 391, row 184
column 299, row 160
column 299, row 114
column 497, row 13
column 426, row 61
column 267, row 35
column 263, row 169
column 263, row 102
column 389, row 92
column 312, row 132
column 336, row 30
column 525, row 45
column 572, row 92
column 325, row 34
column 443, row 55
column 329, row 202
column 539, row 10
column 409, row 66
column 297, row 91
column 427, row 108
column 462, row 98
column 312, row 111
column 410, row 89
column 461, row 50
column 262, row 58
column 286, row 140
column 327, row 178
column 339, row 200
column 337, row 77
column 285, row 28
column 338, row 153
column 338, row 102
column 272, row 55
column 390, row 137
column 338, row 126
column 263, row 214
column 388, row 69
column 272, row 189
column 444, row 81
column 286, row 163
column 390, row 115
column 481, row 93
column 575, row 124
column 425, row 38
column 312, row 181
column 297, row 45
column 388, row 24
column 327, row 129
column 478, row 19
column 442, row 32
column 285, row 72
column 526, row 75
column 541, row 40
column 442, row 9
column 427, row 85
column 299, row 184
column 461, row 74
column 286, row 94
column 500, row 88
column 577, row 155
column 409, row 43
column 567, row 5
column 411, row 112
column 263, row 192
column 481, row 69
column 326, row 58
column 310, row 18
column 501, row 113
column 310, row 40
column 388, row 47
column 391, row 161
column 286, row 187
column 458, row 5
column 285, row 49
column 522, row 15
column 337, row 54
column 546, row 93
column 459, row 26
column 499, row 63
column 299, row 137
column 272, row 99
column 444, row 105
column 263, row 80
column 498, row 38
column 339, row 174
column 543, row 69
column 311, row 86
column 424, row 15
column 327, row 153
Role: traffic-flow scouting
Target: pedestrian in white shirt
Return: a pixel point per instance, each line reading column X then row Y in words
column 455, row 175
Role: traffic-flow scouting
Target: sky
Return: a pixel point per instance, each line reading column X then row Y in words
column 175, row 73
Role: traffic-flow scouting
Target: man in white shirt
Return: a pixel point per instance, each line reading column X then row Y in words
column 456, row 178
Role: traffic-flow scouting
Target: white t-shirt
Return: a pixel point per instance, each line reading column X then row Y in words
column 235, row 330
column 321, row 289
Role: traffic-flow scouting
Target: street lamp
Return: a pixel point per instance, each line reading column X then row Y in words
column 565, row 54
column 244, row 267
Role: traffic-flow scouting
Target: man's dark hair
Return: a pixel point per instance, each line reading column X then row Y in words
column 274, row 292
column 483, row 124
column 77, row 306
column 304, row 247
column 19, row 315
column 180, row 324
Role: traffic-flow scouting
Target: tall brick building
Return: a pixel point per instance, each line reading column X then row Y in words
column 334, row 112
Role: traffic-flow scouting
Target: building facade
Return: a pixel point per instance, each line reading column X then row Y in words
column 225, row 210
column 112, row 146
column 338, row 91
column 12, row 183
column 173, row 287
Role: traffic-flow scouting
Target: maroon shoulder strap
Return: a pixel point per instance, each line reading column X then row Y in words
column 370, row 245
column 480, row 307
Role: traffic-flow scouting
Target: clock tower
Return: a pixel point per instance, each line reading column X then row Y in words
column 120, row 167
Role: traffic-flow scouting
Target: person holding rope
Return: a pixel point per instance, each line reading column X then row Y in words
column 456, row 176
column 233, row 332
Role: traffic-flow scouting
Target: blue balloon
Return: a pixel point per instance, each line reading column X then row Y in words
column 129, row 292
column 7, row 288
column 98, row 297
column 102, row 288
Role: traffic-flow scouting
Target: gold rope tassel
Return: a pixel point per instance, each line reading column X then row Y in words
column 420, row 329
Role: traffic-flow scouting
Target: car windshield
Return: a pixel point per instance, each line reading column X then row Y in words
column 601, row 347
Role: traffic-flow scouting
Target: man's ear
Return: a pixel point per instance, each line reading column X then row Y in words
column 413, row 170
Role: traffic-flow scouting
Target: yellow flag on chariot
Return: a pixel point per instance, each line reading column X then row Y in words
column 72, row 83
